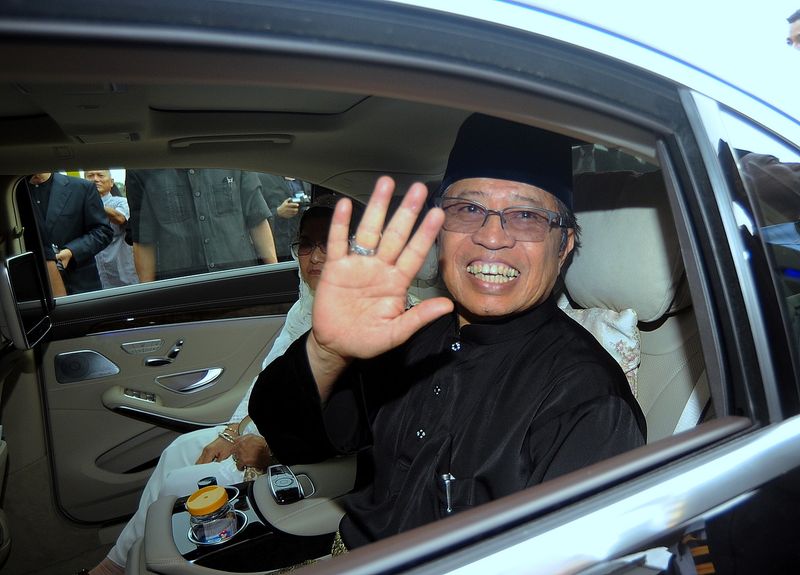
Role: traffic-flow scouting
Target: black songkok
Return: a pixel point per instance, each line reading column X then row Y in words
column 488, row 147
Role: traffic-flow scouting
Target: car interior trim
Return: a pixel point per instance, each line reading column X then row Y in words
column 167, row 421
column 700, row 106
column 698, row 285
column 190, row 381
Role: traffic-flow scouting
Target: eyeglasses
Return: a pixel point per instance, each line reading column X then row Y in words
column 304, row 247
column 524, row 224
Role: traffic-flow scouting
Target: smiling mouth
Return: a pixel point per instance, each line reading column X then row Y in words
column 493, row 273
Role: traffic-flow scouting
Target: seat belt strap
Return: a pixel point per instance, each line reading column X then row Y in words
column 694, row 405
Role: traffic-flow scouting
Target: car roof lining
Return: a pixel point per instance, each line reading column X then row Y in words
column 143, row 114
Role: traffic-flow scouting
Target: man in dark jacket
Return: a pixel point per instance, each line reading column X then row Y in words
column 73, row 224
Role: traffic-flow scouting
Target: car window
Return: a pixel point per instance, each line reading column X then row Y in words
column 108, row 228
column 770, row 173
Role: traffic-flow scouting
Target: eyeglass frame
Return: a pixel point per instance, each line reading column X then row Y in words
column 295, row 248
column 554, row 219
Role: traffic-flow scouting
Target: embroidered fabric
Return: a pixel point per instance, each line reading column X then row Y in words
column 617, row 332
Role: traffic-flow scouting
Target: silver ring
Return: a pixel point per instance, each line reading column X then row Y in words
column 360, row 250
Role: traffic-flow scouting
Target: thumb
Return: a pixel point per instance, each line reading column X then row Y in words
column 411, row 321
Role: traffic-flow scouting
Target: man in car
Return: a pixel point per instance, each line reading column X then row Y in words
column 191, row 221
column 73, row 225
column 451, row 404
column 115, row 262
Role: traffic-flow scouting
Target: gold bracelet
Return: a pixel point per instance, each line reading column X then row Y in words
column 226, row 436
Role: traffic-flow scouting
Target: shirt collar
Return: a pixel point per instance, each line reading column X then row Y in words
column 510, row 327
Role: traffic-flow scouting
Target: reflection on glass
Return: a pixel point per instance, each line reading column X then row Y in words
column 770, row 172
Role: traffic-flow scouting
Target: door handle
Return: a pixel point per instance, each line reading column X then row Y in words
column 190, row 381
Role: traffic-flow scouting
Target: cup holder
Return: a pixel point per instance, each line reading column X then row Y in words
column 241, row 523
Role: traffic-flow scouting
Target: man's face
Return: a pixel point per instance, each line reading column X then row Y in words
column 102, row 179
column 530, row 268
column 794, row 35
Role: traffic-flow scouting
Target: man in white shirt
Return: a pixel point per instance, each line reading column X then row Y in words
column 114, row 263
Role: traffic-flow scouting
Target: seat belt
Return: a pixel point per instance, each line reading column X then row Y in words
column 695, row 405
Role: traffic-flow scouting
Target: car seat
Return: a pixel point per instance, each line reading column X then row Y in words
column 630, row 258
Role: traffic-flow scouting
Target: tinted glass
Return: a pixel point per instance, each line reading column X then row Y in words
column 770, row 173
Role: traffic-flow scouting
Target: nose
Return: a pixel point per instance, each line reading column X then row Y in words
column 317, row 255
column 492, row 235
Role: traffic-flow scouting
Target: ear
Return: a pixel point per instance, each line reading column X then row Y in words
column 567, row 245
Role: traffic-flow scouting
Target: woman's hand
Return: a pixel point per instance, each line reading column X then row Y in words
column 217, row 450
column 360, row 303
column 250, row 450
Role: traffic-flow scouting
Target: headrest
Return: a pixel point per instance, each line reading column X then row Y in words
column 629, row 255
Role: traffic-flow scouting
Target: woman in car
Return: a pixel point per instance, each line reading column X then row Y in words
column 234, row 452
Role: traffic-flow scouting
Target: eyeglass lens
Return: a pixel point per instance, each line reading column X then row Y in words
column 522, row 223
column 305, row 247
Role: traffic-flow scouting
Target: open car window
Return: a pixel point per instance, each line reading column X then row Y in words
column 106, row 228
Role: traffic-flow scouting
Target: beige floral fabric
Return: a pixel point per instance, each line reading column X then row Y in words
column 617, row 332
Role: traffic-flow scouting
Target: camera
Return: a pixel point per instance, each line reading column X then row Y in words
column 301, row 198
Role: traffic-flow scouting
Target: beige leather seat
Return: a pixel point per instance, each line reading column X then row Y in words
column 631, row 258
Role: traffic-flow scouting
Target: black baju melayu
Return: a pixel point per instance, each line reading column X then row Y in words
column 500, row 406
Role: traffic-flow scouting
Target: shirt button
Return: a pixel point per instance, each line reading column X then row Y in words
column 197, row 194
column 456, row 346
column 437, row 390
column 205, row 240
column 211, row 265
column 191, row 171
column 420, row 433
column 202, row 218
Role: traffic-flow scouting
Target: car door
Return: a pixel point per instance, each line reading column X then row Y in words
column 666, row 488
column 124, row 370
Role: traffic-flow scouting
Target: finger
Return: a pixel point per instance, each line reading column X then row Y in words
column 206, row 457
column 396, row 234
column 415, row 252
column 370, row 228
column 339, row 231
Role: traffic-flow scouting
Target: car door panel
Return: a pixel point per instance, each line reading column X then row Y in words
column 107, row 432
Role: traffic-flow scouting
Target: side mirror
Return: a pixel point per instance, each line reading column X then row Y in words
column 23, row 301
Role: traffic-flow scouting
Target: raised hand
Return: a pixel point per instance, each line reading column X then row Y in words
column 359, row 306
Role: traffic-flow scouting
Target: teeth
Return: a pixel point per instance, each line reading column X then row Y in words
column 493, row 273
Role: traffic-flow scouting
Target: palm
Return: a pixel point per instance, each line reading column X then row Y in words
column 359, row 308
column 358, row 300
